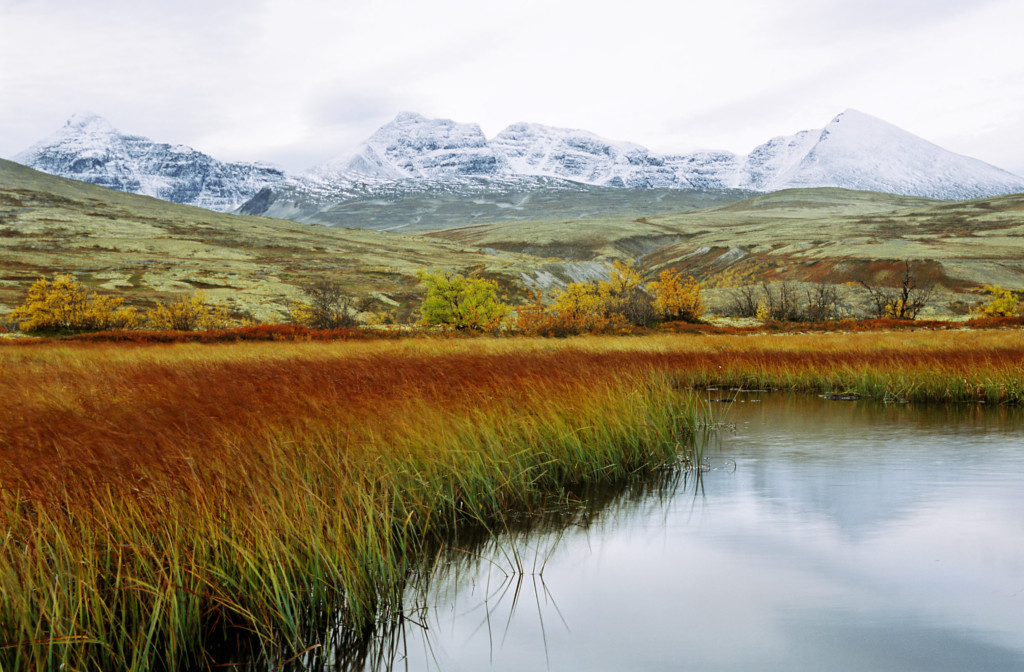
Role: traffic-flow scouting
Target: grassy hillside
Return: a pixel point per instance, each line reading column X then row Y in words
column 418, row 207
column 148, row 249
column 834, row 235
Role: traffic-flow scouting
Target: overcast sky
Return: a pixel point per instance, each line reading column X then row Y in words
column 298, row 82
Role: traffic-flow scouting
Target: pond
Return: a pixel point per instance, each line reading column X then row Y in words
column 823, row 535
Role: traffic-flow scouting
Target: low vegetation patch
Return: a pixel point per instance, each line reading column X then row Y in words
column 1001, row 303
column 627, row 302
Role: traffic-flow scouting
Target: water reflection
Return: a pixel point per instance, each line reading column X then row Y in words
column 493, row 578
column 826, row 535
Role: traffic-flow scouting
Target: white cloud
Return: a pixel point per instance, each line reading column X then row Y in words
column 302, row 81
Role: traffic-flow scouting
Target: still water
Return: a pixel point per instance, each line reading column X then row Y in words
column 823, row 535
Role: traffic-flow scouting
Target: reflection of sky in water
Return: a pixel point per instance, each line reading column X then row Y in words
column 829, row 536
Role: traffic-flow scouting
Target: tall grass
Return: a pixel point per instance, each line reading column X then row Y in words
column 153, row 496
column 930, row 366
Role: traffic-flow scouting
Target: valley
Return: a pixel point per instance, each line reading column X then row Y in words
column 146, row 249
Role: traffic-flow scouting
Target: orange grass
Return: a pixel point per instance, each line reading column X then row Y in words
column 153, row 494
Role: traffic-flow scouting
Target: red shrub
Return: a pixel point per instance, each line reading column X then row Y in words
column 261, row 332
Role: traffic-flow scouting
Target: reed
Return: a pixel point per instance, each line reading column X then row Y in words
column 153, row 496
column 929, row 366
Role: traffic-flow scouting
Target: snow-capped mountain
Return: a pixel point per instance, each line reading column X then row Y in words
column 414, row 147
column 580, row 156
column 89, row 149
column 414, row 154
column 855, row 151
column 858, row 151
column 778, row 156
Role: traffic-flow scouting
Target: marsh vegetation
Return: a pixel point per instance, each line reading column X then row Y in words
column 160, row 496
column 156, row 497
column 825, row 535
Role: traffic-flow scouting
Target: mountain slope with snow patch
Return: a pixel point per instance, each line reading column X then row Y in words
column 858, row 151
column 415, row 155
column 414, row 147
column 89, row 149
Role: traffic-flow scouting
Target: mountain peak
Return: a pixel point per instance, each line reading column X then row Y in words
column 406, row 116
column 410, row 130
column 412, row 146
column 856, row 121
column 90, row 149
column 859, row 151
column 89, row 122
column 851, row 113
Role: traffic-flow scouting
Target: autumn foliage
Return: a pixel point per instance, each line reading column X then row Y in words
column 1001, row 303
column 65, row 304
column 612, row 305
column 459, row 302
column 677, row 299
column 326, row 306
column 575, row 311
column 189, row 313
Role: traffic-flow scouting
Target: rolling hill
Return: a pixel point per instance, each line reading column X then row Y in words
column 147, row 249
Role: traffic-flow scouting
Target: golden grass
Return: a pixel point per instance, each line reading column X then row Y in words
column 153, row 494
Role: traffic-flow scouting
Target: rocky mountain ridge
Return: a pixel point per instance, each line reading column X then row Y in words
column 414, row 154
column 854, row 151
column 88, row 148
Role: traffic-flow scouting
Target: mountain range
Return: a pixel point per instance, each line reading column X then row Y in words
column 416, row 155
column 88, row 148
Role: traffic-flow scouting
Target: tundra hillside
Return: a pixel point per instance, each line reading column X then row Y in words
column 147, row 251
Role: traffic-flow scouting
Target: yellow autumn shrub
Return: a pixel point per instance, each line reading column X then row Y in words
column 1001, row 303
column 64, row 304
column 189, row 313
column 677, row 299
column 591, row 307
column 574, row 311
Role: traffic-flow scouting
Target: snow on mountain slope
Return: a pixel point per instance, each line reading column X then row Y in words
column 414, row 147
column 414, row 154
column 855, row 151
column 89, row 149
column 581, row 156
column 777, row 156
column 858, row 151
column 710, row 170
